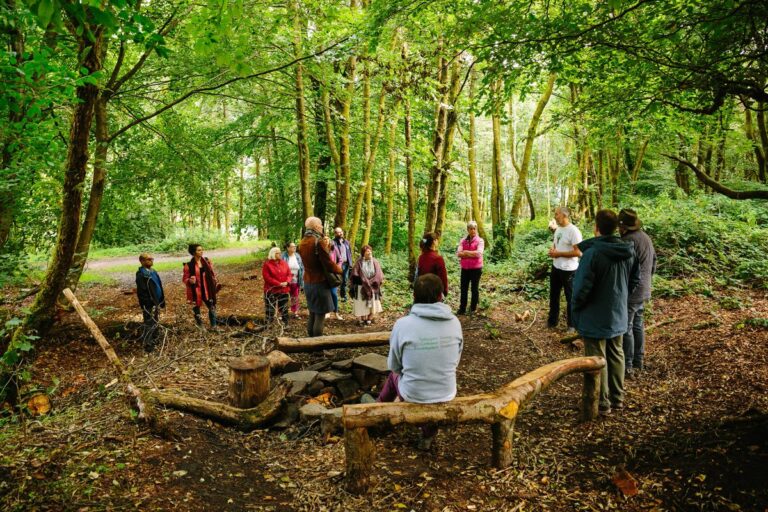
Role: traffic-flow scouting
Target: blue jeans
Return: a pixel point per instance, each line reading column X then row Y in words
column 634, row 339
column 335, row 295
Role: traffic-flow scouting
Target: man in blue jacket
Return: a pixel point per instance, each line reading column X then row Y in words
column 607, row 274
column 149, row 289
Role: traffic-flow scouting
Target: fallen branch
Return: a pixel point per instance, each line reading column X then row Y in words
column 717, row 186
column 366, row 339
column 243, row 419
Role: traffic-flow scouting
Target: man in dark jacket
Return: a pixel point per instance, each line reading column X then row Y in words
column 634, row 338
column 149, row 289
column 607, row 274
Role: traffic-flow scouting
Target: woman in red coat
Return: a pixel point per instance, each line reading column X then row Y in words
column 430, row 261
column 200, row 280
column 277, row 278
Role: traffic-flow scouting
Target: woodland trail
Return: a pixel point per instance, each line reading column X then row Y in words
column 107, row 263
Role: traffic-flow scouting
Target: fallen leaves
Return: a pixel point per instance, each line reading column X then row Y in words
column 625, row 482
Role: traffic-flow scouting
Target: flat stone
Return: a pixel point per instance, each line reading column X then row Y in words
column 347, row 387
column 332, row 376
column 346, row 364
column 319, row 366
column 373, row 362
column 300, row 381
column 315, row 388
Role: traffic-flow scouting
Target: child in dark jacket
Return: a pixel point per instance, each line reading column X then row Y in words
column 149, row 289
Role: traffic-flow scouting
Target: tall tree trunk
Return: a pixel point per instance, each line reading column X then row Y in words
column 42, row 314
column 760, row 155
column 501, row 247
column 94, row 200
column 450, row 132
column 16, row 113
column 411, row 191
column 301, row 118
column 391, row 178
column 529, row 139
column 477, row 215
column 368, row 170
column 343, row 182
column 438, row 139
column 241, row 199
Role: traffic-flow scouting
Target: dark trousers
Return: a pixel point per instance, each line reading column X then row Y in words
column 211, row 313
column 634, row 339
column 560, row 280
column 149, row 336
column 470, row 276
column 315, row 324
column 345, row 268
column 276, row 302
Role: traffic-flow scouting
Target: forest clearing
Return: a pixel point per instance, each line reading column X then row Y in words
column 384, row 255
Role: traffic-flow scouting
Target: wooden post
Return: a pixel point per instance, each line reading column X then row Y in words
column 248, row 381
column 590, row 395
column 502, row 442
column 360, row 455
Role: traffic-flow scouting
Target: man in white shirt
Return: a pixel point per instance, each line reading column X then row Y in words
column 565, row 260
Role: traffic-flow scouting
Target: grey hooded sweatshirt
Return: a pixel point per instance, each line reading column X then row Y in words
column 425, row 348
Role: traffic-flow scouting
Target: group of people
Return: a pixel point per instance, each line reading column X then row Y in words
column 286, row 274
column 607, row 282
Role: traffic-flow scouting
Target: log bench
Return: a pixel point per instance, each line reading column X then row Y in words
column 499, row 409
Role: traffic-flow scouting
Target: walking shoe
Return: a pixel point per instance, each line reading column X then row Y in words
column 629, row 374
column 367, row 399
column 461, row 312
column 617, row 405
column 604, row 411
column 338, row 316
column 570, row 330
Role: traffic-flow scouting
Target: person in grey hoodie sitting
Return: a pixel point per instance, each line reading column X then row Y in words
column 607, row 275
column 424, row 351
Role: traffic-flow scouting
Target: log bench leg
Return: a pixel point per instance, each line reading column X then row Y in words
column 502, row 442
column 590, row 396
column 360, row 455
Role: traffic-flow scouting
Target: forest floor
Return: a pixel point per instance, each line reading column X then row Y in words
column 694, row 434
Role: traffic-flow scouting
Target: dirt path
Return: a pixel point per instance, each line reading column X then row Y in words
column 107, row 263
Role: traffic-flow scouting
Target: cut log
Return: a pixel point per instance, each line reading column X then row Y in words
column 280, row 361
column 243, row 419
column 248, row 381
column 360, row 455
column 366, row 339
column 590, row 396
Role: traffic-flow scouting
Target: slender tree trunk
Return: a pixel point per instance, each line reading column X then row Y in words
column 450, row 133
column 411, row 188
column 241, row 199
column 477, row 215
column 438, row 139
column 391, row 178
column 368, row 170
column 529, row 139
column 301, row 118
column 501, row 247
column 763, row 131
column 760, row 155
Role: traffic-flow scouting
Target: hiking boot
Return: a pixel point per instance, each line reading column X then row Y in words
column 630, row 374
column 604, row 411
column 338, row 316
column 617, row 405
column 461, row 312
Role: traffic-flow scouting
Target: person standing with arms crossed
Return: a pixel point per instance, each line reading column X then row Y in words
column 565, row 260
column 470, row 254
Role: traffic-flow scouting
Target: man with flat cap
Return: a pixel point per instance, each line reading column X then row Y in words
column 630, row 228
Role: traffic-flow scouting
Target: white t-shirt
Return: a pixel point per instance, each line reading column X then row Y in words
column 565, row 238
column 293, row 264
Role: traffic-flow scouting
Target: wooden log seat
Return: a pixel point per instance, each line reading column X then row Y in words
column 499, row 409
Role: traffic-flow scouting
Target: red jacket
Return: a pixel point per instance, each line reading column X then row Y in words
column 430, row 262
column 275, row 272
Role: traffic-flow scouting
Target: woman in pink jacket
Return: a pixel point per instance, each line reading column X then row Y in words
column 470, row 254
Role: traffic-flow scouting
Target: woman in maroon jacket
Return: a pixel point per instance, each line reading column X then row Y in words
column 202, row 287
column 430, row 261
column 277, row 277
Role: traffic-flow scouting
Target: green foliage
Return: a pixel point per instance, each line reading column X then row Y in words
column 10, row 361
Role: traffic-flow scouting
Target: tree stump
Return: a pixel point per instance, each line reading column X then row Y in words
column 248, row 381
column 360, row 456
